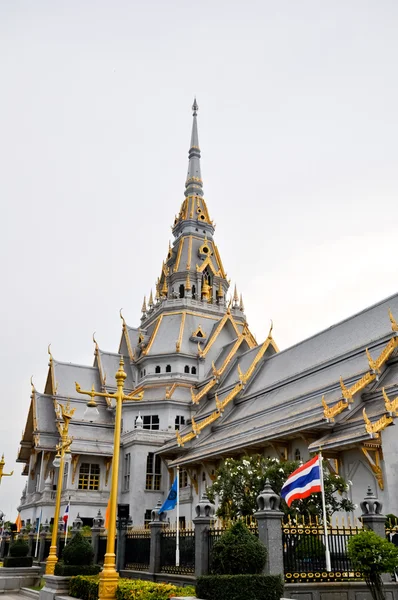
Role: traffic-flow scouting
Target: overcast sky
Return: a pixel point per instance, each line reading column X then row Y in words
column 298, row 129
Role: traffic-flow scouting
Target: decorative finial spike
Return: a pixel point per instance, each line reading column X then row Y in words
column 150, row 301
column 143, row 308
column 195, row 107
column 241, row 305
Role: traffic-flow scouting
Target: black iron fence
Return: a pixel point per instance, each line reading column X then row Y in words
column 168, row 542
column 304, row 553
column 138, row 546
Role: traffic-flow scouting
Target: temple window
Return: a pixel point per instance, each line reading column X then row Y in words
column 183, row 478
column 297, row 454
column 157, row 369
column 194, row 292
column 193, row 370
column 182, row 291
column 153, row 472
column 89, row 476
column 186, row 369
column 150, row 422
column 168, row 368
column 179, row 421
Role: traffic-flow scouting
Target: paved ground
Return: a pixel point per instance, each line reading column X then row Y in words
column 12, row 596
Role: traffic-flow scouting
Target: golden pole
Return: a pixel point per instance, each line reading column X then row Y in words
column 109, row 576
column 2, row 463
column 64, row 445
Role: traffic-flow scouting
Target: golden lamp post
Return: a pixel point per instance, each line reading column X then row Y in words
column 109, row 576
column 63, row 456
column 2, row 463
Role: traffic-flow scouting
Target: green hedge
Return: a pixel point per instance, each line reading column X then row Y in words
column 86, row 588
column 70, row 570
column 239, row 587
column 17, row 561
column 19, row 548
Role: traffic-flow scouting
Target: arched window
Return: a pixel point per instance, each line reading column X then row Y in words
column 168, row 368
column 157, row 369
column 182, row 291
column 297, row 454
column 186, row 369
column 194, row 292
column 193, row 370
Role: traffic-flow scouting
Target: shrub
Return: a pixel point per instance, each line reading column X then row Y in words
column 373, row 555
column 239, row 587
column 17, row 561
column 238, row 552
column 19, row 548
column 148, row 590
column 86, row 588
column 79, row 551
column 69, row 570
column 310, row 546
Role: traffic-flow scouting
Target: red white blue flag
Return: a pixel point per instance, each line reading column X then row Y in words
column 303, row 482
column 66, row 516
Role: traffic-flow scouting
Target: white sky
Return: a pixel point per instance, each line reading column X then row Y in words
column 298, row 130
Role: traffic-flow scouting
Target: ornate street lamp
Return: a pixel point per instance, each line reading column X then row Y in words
column 63, row 456
column 109, row 576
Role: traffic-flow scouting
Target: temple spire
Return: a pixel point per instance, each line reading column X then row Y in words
column 194, row 184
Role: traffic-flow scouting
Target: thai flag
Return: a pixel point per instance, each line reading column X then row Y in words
column 66, row 516
column 303, row 482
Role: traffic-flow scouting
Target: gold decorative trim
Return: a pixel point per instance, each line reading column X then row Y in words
column 373, row 456
column 189, row 257
column 170, row 391
column 373, row 429
column 207, row 263
column 394, row 324
column 178, row 343
column 390, row 405
column 199, row 332
column 331, row 412
column 152, row 338
column 180, row 247
column 203, row 391
column 75, row 461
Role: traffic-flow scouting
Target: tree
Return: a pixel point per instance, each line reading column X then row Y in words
column 373, row 555
column 239, row 482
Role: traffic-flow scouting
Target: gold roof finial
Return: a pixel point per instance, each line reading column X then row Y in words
column 143, row 308
column 394, row 324
column 150, row 302
column 157, row 294
column 49, row 353
column 236, row 297
column 187, row 283
column 270, row 330
column 95, row 342
column 32, row 384
column 220, row 292
column 164, row 288
column 122, row 318
column 241, row 305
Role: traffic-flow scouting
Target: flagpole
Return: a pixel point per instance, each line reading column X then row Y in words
column 325, row 525
column 178, row 520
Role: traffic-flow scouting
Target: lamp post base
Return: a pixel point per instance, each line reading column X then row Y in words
column 51, row 561
column 109, row 578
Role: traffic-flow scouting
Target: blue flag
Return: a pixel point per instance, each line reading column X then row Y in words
column 171, row 499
